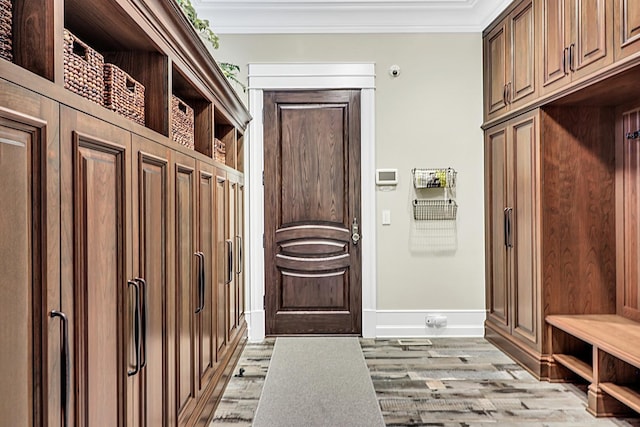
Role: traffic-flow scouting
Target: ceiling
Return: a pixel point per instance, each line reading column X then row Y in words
column 351, row 16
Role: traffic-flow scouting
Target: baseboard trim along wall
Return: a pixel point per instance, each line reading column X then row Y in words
column 413, row 323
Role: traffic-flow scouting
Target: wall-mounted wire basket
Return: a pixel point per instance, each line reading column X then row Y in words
column 434, row 178
column 435, row 210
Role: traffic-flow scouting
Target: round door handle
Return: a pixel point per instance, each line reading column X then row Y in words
column 355, row 237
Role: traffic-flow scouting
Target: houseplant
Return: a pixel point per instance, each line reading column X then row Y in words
column 203, row 27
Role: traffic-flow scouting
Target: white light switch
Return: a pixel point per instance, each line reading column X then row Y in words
column 386, row 217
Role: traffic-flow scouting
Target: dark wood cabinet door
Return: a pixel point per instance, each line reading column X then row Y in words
column 626, row 36
column 556, row 35
column 239, row 261
column 525, row 158
column 221, row 274
column 205, row 316
column 232, row 294
column 152, row 258
column 29, row 260
column 522, row 77
column 312, row 201
column 96, row 253
column 496, row 63
column 184, row 189
column 496, row 217
column 592, row 36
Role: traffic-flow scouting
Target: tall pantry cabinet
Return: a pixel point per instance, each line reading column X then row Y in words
column 113, row 248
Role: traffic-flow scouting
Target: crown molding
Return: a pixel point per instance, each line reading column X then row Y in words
column 352, row 16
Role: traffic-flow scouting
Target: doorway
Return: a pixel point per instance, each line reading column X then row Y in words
column 312, row 212
column 316, row 76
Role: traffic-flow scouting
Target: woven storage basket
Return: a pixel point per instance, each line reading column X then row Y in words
column 6, row 50
column 83, row 69
column 181, row 122
column 219, row 151
column 123, row 94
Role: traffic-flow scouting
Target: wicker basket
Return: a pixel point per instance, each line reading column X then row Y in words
column 219, row 151
column 83, row 69
column 181, row 122
column 6, row 50
column 123, row 94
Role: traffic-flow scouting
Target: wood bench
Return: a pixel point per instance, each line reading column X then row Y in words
column 604, row 350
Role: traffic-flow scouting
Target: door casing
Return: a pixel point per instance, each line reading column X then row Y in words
column 294, row 76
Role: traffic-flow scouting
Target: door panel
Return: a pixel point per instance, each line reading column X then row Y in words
column 554, row 41
column 221, row 264
column 523, row 64
column 312, row 189
column 232, row 303
column 95, row 225
column 627, row 28
column 240, row 252
column 151, row 208
column 205, row 318
column 185, row 238
column 593, row 35
column 24, row 263
column 496, row 62
column 496, row 192
column 525, row 298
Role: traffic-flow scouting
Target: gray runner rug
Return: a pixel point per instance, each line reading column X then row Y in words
column 318, row 381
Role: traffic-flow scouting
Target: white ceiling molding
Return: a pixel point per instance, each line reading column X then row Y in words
column 352, row 16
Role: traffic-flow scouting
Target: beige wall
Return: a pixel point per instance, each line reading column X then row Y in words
column 429, row 116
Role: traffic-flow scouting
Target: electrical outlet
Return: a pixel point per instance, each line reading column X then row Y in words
column 436, row 321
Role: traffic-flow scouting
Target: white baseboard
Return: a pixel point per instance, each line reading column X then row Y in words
column 255, row 325
column 412, row 323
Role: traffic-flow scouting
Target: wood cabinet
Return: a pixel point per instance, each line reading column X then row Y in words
column 512, row 161
column 577, row 40
column 509, row 58
column 111, row 232
column 547, row 174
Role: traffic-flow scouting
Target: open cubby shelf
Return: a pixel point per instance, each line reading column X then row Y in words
column 126, row 34
column 598, row 349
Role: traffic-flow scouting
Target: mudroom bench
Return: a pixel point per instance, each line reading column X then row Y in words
column 604, row 350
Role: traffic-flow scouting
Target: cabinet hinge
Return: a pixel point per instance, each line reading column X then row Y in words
column 264, row 301
column 264, row 241
column 262, row 177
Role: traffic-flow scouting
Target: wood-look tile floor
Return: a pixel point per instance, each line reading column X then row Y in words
column 461, row 382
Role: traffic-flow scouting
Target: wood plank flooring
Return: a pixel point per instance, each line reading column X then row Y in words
column 461, row 382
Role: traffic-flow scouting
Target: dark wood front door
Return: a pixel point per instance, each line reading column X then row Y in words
column 312, row 201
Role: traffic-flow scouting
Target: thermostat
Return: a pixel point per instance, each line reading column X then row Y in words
column 386, row 176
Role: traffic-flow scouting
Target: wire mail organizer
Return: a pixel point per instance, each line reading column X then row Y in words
column 434, row 210
column 434, row 178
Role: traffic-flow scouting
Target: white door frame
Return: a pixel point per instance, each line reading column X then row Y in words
column 309, row 76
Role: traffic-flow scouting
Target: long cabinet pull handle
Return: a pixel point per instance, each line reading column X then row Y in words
column 239, row 250
column 229, row 261
column 572, row 48
column 136, row 325
column 145, row 317
column 201, row 281
column 505, row 223
column 510, row 227
column 504, row 94
column 65, row 387
column 565, row 53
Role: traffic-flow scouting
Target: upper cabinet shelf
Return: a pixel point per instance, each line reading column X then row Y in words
column 152, row 43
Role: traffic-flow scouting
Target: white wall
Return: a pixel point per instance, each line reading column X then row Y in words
column 429, row 116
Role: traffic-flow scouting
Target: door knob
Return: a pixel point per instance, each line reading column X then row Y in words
column 355, row 234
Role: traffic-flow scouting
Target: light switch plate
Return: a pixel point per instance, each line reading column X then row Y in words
column 386, row 217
